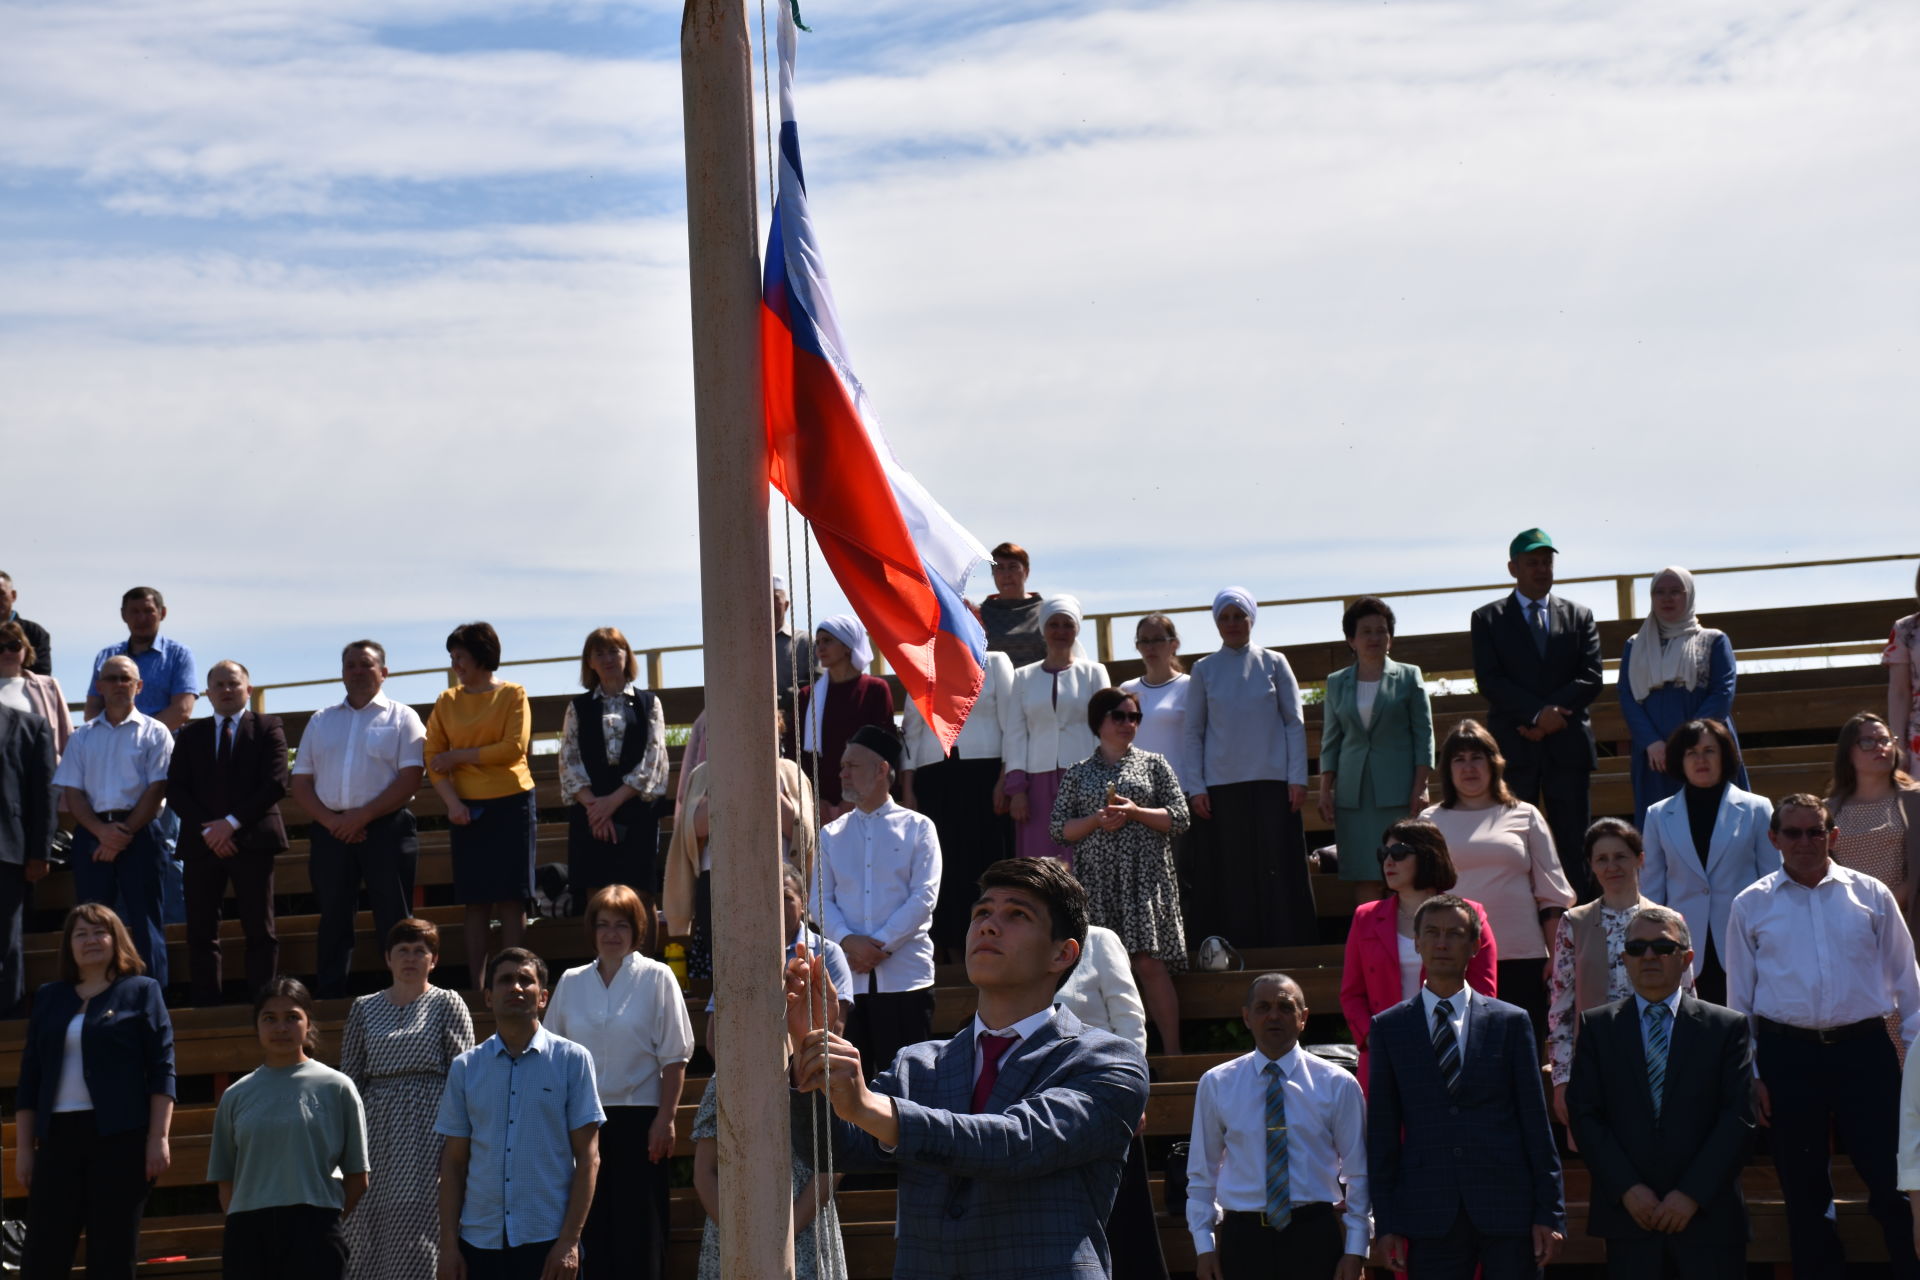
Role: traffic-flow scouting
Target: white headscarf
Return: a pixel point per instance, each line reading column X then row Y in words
column 1069, row 605
column 1668, row 653
column 845, row 628
column 1236, row 595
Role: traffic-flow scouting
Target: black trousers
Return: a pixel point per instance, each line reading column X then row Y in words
column 384, row 862
column 626, row 1231
column 1465, row 1249
column 1710, row 976
column 885, row 1022
column 85, row 1182
column 1851, row 1088
column 207, row 874
column 1309, row 1248
column 1691, row 1255
column 517, row 1262
column 1524, row 982
column 1133, row 1230
column 1563, row 794
column 285, row 1242
column 13, row 967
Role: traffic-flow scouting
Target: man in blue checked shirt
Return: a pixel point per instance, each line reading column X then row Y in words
column 521, row 1118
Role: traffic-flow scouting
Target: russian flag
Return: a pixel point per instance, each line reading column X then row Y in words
column 901, row 560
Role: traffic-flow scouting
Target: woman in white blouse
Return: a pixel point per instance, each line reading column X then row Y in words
column 627, row 1011
column 1247, row 860
column 1505, row 856
column 1046, row 730
column 1162, row 693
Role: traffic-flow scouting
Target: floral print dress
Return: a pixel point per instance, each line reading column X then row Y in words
column 1128, row 874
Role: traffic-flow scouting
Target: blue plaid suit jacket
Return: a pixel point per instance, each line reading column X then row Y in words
column 1024, row 1188
column 1489, row 1150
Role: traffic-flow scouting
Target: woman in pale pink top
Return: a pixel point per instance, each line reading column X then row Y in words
column 1504, row 853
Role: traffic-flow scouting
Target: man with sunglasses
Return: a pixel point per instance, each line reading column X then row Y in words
column 1819, row 956
column 1660, row 1104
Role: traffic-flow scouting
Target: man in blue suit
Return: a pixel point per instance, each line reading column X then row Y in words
column 1009, row 1138
column 1463, row 1164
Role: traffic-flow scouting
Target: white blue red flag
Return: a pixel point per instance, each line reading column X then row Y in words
column 900, row 559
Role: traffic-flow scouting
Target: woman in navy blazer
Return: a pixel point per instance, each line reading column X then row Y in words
column 1706, row 844
column 1381, row 968
column 95, row 1100
column 1376, row 751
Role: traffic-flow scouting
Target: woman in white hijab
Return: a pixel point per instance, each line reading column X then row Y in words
column 1246, row 866
column 1672, row 671
column 1046, row 728
column 840, row 701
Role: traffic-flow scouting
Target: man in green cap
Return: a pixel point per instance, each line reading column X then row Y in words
column 1536, row 656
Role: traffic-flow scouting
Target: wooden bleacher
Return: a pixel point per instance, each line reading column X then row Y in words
column 1787, row 721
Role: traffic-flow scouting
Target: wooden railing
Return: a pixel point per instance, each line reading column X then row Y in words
column 1102, row 623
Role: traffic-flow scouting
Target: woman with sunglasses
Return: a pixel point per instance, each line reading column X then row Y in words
column 1120, row 810
column 24, row 689
column 1382, row 969
column 1706, row 844
column 1589, row 955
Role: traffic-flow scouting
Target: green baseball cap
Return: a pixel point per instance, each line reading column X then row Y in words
column 1530, row 540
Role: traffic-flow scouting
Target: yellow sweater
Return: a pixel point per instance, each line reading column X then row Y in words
column 498, row 722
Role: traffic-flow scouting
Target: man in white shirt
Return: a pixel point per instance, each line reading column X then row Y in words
column 1818, row 955
column 881, row 866
column 1276, row 1133
column 114, row 772
column 360, row 762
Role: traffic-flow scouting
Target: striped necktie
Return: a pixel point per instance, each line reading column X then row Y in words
column 1446, row 1045
column 1279, row 1193
column 1657, row 1015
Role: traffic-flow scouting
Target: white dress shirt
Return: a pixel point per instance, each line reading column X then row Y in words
column 114, row 764
column 1101, row 991
column 1326, row 1144
column 633, row 1026
column 1020, row 1030
column 352, row 756
column 1641, row 1004
column 1909, row 1159
column 1824, row 957
column 1459, row 1019
column 882, row 874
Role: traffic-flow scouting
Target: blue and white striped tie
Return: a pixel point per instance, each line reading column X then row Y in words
column 1279, row 1193
column 1657, row 1015
column 1446, row 1045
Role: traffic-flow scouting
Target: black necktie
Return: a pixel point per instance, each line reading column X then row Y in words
column 224, row 756
column 1539, row 626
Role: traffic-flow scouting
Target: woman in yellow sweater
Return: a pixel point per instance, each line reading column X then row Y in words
column 477, row 760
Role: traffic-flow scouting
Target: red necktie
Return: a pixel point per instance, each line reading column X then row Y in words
column 992, row 1049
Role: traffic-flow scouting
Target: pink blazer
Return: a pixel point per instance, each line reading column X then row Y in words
column 1370, row 978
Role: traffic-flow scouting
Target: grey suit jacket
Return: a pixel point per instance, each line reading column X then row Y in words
column 26, row 786
column 1022, row 1189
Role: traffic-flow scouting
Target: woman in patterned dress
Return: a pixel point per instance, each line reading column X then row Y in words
column 398, row 1048
column 1121, row 809
column 817, row 1251
column 1875, row 808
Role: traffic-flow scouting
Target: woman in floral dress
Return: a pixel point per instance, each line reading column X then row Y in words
column 398, row 1048
column 1121, row 809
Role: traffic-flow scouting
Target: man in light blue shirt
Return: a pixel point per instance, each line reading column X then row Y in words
column 521, row 1118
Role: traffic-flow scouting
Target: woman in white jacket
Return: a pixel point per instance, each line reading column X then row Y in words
column 1046, row 730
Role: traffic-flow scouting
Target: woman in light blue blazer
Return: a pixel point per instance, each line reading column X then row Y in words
column 1706, row 843
column 1376, row 742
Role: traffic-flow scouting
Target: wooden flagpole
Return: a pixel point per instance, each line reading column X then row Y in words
column 756, row 1195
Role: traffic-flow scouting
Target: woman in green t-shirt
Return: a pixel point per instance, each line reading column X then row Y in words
column 289, row 1151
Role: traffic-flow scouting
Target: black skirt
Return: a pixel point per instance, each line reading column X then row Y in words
column 493, row 854
column 1246, row 873
column 632, row 860
column 958, row 796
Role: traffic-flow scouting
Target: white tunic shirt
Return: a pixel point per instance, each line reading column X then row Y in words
column 633, row 1026
column 352, row 756
column 882, row 873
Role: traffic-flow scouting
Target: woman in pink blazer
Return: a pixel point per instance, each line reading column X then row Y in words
column 1382, row 968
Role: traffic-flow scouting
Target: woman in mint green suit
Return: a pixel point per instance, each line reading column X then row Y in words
column 1376, row 742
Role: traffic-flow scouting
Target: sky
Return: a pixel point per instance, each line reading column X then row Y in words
column 368, row 317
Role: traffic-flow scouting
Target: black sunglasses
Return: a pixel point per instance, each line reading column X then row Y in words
column 1395, row 852
column 1124, row 717
column 1803, row 833
column 1659, row 946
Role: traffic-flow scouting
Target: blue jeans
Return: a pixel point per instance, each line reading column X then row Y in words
column 173, row 880
column 130, row 884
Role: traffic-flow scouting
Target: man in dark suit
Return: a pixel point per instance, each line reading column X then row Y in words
column 26, row 829
column 228, row 774
column 1008, row 1139
column 1536, row 658
column 1463, row 1166
column 1661, row 1105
